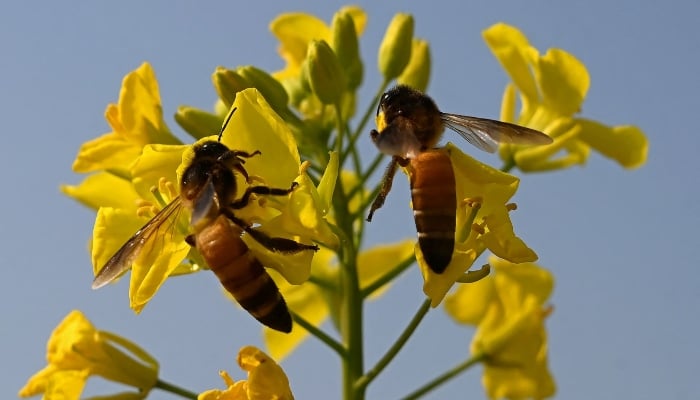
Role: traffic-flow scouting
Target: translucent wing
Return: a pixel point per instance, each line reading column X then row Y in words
column 486, row 134
column 126, row 255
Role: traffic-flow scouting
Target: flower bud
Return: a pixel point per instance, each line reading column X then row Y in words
column 198, row 123
column 395, row 50
column 326, row 76
column 346, row 47
column 227, row 83
column 271, row 88
column 417, row 72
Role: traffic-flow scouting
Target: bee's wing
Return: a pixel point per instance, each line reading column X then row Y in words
column 206, row 204
column 486, row 134
column 126, row 255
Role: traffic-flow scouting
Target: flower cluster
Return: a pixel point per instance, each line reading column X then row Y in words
column 298, row 127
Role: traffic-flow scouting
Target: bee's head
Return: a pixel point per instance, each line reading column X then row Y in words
column 404, row 101
column 210, row 150
column 408, row 122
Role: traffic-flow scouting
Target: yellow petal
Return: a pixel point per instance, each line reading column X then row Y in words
column 113, row 227
column 501, row 240
column 158, row 259
column 109, row 151
column 515, row 54
column 436, row 286
column 103, row 189
column 625, row 144
column 469, row 303
column 266, row 379
column 375, row 262
column 563, row 80
column 255, row 126
column 56, row 384
column 157, row 161
column 140, row 109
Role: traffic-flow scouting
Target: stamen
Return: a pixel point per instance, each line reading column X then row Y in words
column 479, row 228
column 473, row 201
column 511, row 206
column 147, row 210
column 476, row 275
column 304, row 166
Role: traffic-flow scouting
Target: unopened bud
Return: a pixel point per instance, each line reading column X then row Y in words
column 198, row 123
column 269, row 87
column 326, row 76
column 227, row 83
column 417, row 72
column 347, row 48
column 395, row 50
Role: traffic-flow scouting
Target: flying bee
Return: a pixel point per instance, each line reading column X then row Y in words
column 409, row 126
column 208, row 189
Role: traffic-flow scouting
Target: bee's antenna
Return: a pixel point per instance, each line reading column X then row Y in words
column 228, row 118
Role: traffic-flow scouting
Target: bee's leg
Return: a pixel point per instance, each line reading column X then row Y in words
column 282, row 245
column 190, row 239
column 387, row 181
column 264, row 190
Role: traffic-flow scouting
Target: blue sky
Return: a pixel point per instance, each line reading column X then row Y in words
column 621, row 244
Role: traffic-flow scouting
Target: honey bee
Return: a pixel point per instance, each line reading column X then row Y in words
column 409, row 125
column 208, row 189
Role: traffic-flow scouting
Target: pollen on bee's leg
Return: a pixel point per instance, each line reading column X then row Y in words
column 511, row 206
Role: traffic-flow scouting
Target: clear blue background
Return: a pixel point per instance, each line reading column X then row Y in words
column 623, row 245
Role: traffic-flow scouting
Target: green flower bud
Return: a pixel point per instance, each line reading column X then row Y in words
column 326, row 76
column 227, row 83
column 395, row 50
column 417, row 72
column 269, row 87
column 198, row 123
column 347, row 48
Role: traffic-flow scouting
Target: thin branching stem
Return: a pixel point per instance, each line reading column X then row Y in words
column 396, row 347
column 320, row 335
column 169, row 387
column 451, row 373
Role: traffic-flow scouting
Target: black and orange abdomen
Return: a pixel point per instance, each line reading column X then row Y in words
column 242, row 274
column 434, row 206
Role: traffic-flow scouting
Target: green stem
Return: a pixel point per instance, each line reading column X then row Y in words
column 169, row 387
column 389, row 276
column 395, row 348
column 458, row 369
column 320, row 335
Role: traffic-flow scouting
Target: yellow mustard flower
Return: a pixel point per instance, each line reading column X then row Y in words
column 508, row 309
column 296, row 30
column 482, row 222
column 266, row 380
column 316, row 301
column 299, row 216
column 76, row 351
column 136, row 120
column 552, row 89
